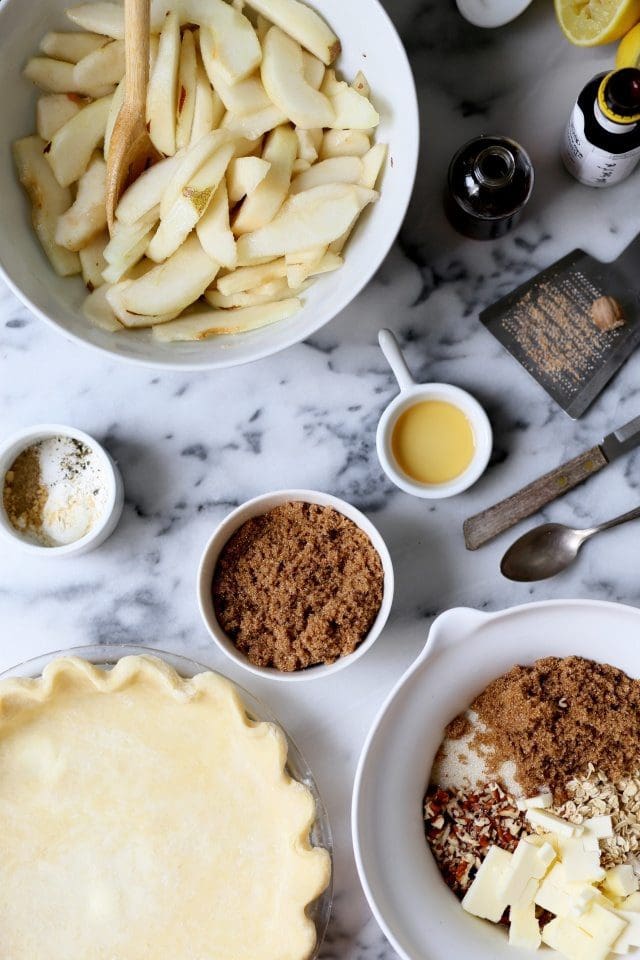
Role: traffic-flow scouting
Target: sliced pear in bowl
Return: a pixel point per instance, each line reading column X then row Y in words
column 70, row 45
column 284, row 80
column 174, row 284
column 214, row 231
column 162, row 96
column 147, row 191
column 48, row 201
column 74, row 143
column 313, row 218
column 88, row 213
column 260, row 207
column 303, row 24
column 335, row 170
column 52, row 112
column 209, row 322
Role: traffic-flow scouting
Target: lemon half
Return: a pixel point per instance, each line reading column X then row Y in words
column 589, row 23
column 628, row 54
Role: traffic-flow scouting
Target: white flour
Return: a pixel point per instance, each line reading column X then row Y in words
column 77, row 495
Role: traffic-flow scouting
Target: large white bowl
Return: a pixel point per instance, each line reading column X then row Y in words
column 370, row 43
column 465, row 651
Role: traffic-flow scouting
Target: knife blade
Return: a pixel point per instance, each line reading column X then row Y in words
column 488, row 524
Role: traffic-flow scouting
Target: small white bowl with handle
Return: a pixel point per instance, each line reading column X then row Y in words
column 412, row 393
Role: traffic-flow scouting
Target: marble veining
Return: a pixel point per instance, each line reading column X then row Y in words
column 192, row 446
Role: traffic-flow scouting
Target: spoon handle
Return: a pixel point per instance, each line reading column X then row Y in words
column 137, row 26
column 395, row 358
column 624, row 518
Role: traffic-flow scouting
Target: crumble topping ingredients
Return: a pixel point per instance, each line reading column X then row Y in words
column 553, row 718
column 298, row 586
column 54, row 491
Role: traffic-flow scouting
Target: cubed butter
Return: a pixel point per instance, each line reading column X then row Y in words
column 601, row 827
column 580, row 865
column 485, row 898
column 563, row 898
column 620, row 881
column 529, row 864
column 540, row 802
column 553, row 824
column 567, row 938
column 630, row 936
column 524, row 930
column 602, row 924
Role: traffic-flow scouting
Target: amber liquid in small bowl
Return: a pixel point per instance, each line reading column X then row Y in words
column 433, row 442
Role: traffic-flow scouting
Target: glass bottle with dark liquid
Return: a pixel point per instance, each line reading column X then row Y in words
column 490, row 181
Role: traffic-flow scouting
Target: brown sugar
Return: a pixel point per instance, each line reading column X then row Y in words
column 556, row 717
column 24, row 495
column 300, row 585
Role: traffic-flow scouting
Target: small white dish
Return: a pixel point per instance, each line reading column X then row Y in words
column 255, row 508
column 13, row 446
column 465, row 651
column 412, row 393
column 491, row 13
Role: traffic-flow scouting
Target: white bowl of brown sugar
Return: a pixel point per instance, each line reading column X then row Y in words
column 295, row 585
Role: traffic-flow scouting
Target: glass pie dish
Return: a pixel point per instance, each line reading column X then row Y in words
column 106, row 656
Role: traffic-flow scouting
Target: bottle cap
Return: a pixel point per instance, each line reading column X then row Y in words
column 619, row 95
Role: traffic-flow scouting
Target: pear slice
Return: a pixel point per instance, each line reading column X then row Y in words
column 260, row 207
column 361, row 85
column 162, row 94
column 208, row 108
column 209, row 322
column 88, row 214
column 103, row 66
column 372, row 164
column 214, row 232
column 254, row 125
column 70, row 46
column 303, row 24
column 351, row 110
column 75, row 141
column 245, row 174
column 313, row 218
column 115, row 295
column 241, row 98
column 115, row 271
column 266, row 293
column 99, row 312
column 147, row 191
column 298, row 273
column 313, row 70
column 309, row 142
column 335, row 170
column 246, row 278
column 104, row 18
column 92, row 260
column 174, row 284
column 127, row 236
column 344, row 143
column 283, row 78
column 48, row 201
column 114, row 109
column 190, row 206
column 187, row 73
column 300, row 166
column 237, row 46
column 53, row 111
column 56, row 76
column 194, row 158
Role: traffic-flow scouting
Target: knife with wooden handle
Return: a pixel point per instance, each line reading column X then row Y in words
column 484, row 526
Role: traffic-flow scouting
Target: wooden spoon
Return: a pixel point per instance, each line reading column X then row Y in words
column 131, row 150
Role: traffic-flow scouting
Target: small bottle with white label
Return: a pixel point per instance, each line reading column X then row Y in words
column 602, row 141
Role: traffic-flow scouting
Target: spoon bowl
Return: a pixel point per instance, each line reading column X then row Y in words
column 542, row 553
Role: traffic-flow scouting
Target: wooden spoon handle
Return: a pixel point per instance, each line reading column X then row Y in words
column 136, row 41
column 485, row 526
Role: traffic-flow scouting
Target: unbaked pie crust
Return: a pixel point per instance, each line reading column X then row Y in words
column 146, row 817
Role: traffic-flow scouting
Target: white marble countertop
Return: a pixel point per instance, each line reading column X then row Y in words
column 191, row 446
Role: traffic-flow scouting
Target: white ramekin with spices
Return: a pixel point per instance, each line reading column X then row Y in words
column 62, row 494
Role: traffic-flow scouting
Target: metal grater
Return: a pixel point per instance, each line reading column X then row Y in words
column 546, row 324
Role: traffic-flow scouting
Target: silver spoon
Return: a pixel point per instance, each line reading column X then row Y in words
column 551, row 548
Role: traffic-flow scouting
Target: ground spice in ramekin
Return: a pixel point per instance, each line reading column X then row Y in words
column 300, row 585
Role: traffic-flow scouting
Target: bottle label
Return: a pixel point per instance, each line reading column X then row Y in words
column 591, row 164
